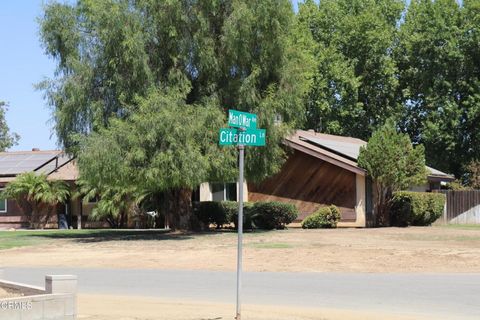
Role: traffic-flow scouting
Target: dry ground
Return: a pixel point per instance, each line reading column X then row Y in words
column 9, row 293
column 433, row 249
column 430, row 249
column 100, row 307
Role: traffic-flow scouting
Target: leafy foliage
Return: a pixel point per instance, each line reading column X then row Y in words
column 247, row 215
column 355, row 80
column 416, row 208
column 212, row 212
column 273, row 215
column 7, row 138
column 153, row 80
column 37, row 196
column 114, row 204
column 325, row 217
column 393, row 164
column 473, row 174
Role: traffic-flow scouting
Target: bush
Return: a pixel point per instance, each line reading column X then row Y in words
column 416, row 208
column 247, row 215
column 325, row 217
column 230, row 208
column 221, row 213
column 263, row 215
column 273, row 215
column 211, row 212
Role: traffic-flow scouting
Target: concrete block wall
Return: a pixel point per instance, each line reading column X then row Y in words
column 58, row 301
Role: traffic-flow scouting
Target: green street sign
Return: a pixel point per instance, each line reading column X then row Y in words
column 240, row 119
column 234, row 137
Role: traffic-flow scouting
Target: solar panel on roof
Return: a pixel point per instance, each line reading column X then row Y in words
column 16, row 163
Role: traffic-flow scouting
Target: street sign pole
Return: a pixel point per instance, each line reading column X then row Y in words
column 242, row 132
column 241, row 149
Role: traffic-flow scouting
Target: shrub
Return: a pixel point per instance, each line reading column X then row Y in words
column 416, row 208
column 221, row 213
column 273, row 215
column 211, row 212
column 325, row 217
column 247, row 215
column 230, row 209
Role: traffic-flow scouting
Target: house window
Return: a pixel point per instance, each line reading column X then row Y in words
column 3, row 204
column 224, row 191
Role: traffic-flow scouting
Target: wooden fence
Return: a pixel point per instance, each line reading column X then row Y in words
column 462, row 207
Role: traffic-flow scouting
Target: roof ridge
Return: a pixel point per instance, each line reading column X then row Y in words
column 336, row 137
column 29, row 152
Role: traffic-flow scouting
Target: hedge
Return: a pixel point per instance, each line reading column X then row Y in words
column 273, row 215
column 247, row 215
column 262, row 215
column 416, row 208
column 325, row 217
column 211, row 212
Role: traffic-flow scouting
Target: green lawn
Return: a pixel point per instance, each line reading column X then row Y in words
column 13, row 239
column 463, row 226
column 270, row 245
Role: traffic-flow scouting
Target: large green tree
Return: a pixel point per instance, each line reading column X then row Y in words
column 7, row 138
column 393, row 164
column 431, row 71
column 355, row 79
column 438, row 57
column 155, row 78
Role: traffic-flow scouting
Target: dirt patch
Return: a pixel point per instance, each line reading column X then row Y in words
column 107, row 307
column 429, row 249
column 9, row 293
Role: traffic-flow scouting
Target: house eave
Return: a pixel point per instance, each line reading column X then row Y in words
column 324, row 155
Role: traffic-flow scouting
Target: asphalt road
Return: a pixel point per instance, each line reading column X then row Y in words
column 445, row 296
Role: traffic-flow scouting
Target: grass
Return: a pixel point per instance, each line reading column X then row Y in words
column 270, row 245
column 23, row 238
column 462, row 226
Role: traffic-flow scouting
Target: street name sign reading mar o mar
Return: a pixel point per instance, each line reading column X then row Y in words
column 233, row 137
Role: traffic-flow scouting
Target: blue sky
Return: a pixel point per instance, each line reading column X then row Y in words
column 22, row 64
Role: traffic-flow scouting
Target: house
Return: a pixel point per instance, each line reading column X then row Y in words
column 57, row 166
column 321, row 170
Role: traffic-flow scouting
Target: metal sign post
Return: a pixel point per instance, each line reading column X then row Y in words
column 244, row 133
column 241, row 149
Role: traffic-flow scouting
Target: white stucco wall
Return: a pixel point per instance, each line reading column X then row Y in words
column 206, row 191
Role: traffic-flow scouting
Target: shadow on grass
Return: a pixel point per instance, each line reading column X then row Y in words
column 89, row 236
column 21, row 238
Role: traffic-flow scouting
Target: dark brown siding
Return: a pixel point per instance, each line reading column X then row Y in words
column 15, row 218
column 309, row 183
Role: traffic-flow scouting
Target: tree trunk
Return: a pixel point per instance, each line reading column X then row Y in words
column 180, row 214
column 382, row 206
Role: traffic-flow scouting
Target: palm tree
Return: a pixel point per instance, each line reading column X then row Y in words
column 114, row 204
column 56, row 192
column 36, row 196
